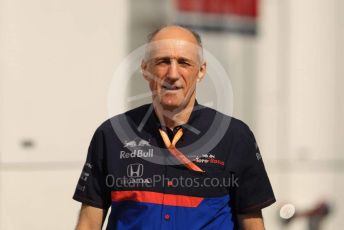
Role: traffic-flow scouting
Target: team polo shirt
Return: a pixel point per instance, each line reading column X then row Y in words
column 129, row 169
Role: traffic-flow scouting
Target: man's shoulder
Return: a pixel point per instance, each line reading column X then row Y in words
column 239, row 126
column 240, row 131
column 236, row 127
column 235, row 124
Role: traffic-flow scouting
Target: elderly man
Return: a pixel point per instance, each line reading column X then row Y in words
column 161, row 174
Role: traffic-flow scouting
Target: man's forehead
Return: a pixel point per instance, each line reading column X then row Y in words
column 172, row 47
column 175, row 32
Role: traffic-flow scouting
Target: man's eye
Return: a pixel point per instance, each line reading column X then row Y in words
column 163, row 62
column 185, row 63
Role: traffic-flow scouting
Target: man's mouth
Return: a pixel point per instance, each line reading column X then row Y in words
column 171, row 87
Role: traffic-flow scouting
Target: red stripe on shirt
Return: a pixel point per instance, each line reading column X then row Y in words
column 156, row 198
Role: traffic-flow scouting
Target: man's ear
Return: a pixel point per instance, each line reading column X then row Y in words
column 202, row 71
column 144, row 71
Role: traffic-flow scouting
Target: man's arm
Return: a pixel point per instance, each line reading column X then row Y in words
column 252, row 221
column 91, row 218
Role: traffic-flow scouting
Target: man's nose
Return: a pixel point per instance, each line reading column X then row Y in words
column 173, row 70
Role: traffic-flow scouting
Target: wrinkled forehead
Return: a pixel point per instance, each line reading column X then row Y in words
column 173, row 48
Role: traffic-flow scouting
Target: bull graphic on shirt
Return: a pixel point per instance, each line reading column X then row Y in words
column 133, row 143
column 130, row 144
column 143, row 143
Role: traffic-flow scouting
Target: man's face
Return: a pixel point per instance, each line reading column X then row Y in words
column 172, row 68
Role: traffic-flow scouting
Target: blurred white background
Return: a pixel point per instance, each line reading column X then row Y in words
column 57, row 59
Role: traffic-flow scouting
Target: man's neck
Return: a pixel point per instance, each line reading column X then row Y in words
column 171, row 118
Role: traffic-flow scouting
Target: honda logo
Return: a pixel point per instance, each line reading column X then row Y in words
column 135, row 170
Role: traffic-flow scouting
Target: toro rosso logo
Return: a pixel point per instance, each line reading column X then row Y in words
column 209, row 158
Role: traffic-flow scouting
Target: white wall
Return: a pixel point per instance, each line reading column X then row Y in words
column 57, row 59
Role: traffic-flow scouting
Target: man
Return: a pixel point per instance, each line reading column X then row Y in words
column 142, row 174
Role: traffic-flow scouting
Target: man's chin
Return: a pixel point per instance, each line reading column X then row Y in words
column 172, row 104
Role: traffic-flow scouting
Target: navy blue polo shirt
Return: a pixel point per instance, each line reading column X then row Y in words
column 129, row 168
